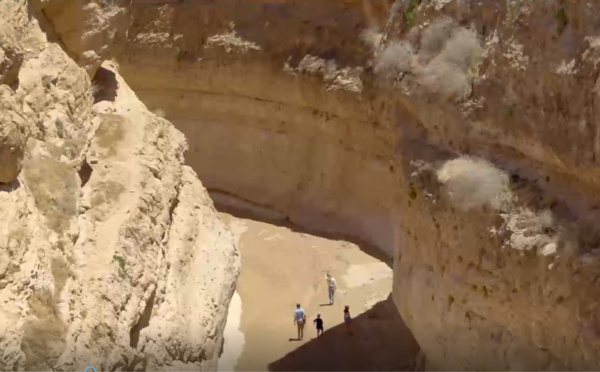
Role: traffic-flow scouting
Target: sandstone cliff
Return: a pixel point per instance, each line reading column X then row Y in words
column 461, row 137
column 111, row 253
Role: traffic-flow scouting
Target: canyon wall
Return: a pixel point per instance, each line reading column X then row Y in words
column 260, row 131
column 111, row 252
column 460, row 137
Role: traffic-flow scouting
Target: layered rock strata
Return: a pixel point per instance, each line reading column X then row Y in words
column 460, row 137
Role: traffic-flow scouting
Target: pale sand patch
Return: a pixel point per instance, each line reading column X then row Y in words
column 359, row 275
column 237, row 227
column 234, row 338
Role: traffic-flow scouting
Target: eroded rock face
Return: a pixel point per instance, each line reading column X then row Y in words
column 111, row 253
column 11, row 55
column 90, row 30
column 467, row 151
column 266, row 100
column 11, row 150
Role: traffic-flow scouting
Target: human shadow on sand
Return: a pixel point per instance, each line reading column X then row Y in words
column 380, row 341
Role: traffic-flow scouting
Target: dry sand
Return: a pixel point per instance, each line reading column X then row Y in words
column 281, row 267
column 234, row 338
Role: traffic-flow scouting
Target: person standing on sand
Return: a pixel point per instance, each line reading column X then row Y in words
column 331, row 286
column 319, row 322
column 300, row 320
column 347, row 319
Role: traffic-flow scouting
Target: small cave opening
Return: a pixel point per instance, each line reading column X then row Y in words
column 85, row 172
column 104, row 85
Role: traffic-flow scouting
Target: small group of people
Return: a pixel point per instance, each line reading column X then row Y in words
column 300, row 314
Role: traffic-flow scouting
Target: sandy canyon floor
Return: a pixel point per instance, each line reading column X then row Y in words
column 280, row 267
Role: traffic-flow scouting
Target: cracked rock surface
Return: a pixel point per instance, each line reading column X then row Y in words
column 111, row 252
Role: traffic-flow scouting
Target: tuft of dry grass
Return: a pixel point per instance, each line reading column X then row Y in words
column 395, row 59
column 449, row 55
column 434, row 38
column 473, row 183
column 445, row 63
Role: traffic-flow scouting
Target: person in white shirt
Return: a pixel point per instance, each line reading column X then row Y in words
column 300, row 320
column 331, row 287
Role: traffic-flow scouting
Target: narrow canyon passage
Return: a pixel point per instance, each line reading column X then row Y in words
column 282, row 266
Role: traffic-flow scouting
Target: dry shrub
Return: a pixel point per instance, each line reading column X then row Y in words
column 445, row 63
column 394, row 59
column 449, row 54
column 473, row 183
column 463, row 49
column 435, row 37
column 444, row 79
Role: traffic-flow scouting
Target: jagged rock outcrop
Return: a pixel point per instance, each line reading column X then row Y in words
column 89, row 31
column 458, row 136
column 111, row 252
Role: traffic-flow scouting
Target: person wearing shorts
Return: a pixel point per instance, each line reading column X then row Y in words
column 319, row 323
column 299, row 320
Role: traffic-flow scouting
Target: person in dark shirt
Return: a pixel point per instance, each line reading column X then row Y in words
column 319, row 322
column 347, row 319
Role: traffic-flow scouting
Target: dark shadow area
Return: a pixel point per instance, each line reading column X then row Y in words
column 9, row 187
column 85, row 172
column 104, row 85
column 143, row 322
column 283, row 221
column 380, row 342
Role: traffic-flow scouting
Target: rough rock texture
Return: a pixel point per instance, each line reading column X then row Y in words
column 111, row 253
column 459, row 136
column 11, row 149
column 11, row 55
column 90, row 31
column 295, row 92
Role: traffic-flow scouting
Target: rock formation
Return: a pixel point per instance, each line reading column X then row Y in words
column 461, row 137
column 111, row 253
